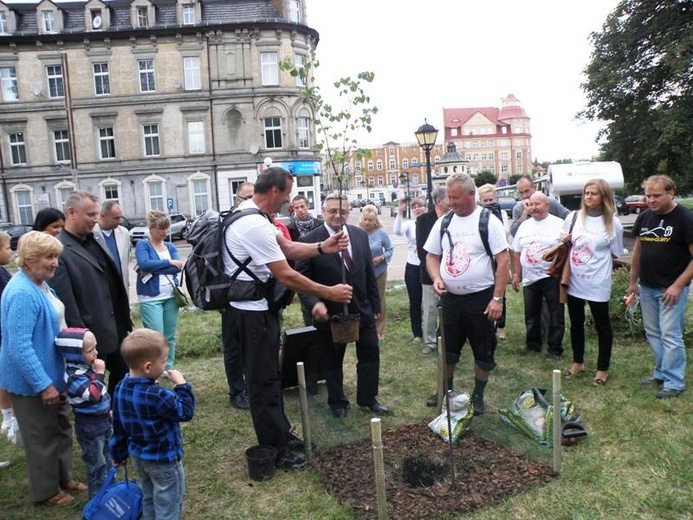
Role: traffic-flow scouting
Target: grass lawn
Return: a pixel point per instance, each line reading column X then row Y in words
column 636, row 463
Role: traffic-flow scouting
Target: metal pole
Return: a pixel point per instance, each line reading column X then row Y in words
column 379, row 466
column 429, row 181
column 305, row 419
column 453, row 473
column 557, row 453
column 441, row 360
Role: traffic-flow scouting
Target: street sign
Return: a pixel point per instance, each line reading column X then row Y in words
column 169, row 203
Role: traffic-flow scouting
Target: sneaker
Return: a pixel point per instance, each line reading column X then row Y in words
column 432, row 401
column 13, row 434
column 295, row 443
column 292, row 463
column 651, row 381
column 427, row 350
column 5, row 428
column 240, row 400
column 665, row 393
column 417, row 339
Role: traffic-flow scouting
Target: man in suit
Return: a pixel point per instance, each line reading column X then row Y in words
column 116, row 238
column 87, row 281
column 356, row 263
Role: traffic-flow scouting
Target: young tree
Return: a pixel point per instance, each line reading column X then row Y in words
column 640, row 82
column 485, row 177
column 337, row 127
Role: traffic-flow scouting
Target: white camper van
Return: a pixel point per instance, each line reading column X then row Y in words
column 566, row 181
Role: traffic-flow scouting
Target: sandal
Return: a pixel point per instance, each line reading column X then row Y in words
column 599, row 380
column 572, row 372
column 73, row 485
column 501, row 335
column 60, row 499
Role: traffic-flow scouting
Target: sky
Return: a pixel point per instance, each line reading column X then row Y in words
column 438, row 54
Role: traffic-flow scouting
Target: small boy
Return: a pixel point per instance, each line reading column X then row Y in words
column 145, row 424
column 91, row 404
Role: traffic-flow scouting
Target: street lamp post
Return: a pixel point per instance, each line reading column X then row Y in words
column 426, row 136
column 365, row 185
column 404, row 179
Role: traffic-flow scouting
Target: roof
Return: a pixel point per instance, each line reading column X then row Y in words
column 465, row 114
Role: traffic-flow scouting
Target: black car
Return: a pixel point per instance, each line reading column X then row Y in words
column 620, row 205
column 15, row 232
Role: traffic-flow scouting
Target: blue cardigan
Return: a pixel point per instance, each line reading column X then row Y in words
column 379, row 242
column 29, row 361
column 148, row 260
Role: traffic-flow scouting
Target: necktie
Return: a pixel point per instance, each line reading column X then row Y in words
column 348, row 262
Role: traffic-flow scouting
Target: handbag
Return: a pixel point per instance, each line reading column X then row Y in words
column 558, row 255
column 178, row 294
column 119, row 501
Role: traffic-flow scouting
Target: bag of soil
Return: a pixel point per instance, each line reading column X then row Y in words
column 461, row 413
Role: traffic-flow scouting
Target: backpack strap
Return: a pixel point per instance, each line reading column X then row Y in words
column 483, row 233
column 229, row 219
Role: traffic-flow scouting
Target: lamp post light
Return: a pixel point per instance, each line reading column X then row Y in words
column 404, row 179
column 364, row 182
column 426, row 136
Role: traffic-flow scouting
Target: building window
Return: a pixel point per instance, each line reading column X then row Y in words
column 504, row 168
column 491, row 156
column 22, row 200
column 379, row 164
column 188, row 15
column 405, row 163
column 191, row 66
column 273, row 132
column 151, row 140
column 110, row 192
column 302, row 124
column 155, row 195
column 392, row 164
column 48, row 21
column 61, row 140
column 142, row 18
column 270, row 68
column 380, row 180
column 370, row 166
column 414, row 161
column 299, row 63
column 17, row 148
column 196, row 137
column 147, row 82
column 200, row 189
column 107, row 148
column 415, row 178
column 3, row 23
column 295, row 11
column 484, row 156
column 504, row 156
column 518, row 156
column 102, row 83
column 8, row 77
column 54, row 73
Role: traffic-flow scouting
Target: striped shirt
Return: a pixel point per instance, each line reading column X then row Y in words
column 145, row 420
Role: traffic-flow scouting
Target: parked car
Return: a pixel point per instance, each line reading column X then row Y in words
column 636, row 203
column 376, row 201
column 179, row 229
column 16, row 231
column 507, row 204
column 126, row 223
column 620, row 205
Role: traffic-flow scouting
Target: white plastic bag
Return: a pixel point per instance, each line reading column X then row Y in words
column 461, row 413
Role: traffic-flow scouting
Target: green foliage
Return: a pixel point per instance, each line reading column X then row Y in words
column 640, row 83
column 485, row 177
column 514, row 178
column 338, row 127
column 621, row 321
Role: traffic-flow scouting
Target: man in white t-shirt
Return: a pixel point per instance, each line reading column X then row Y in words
column 253, row 325
column 463, row 276
column 532, row 239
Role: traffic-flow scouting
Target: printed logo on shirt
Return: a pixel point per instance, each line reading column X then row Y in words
column 457, row 260
column 581, row 252
column 534, row 253
column 661, row 233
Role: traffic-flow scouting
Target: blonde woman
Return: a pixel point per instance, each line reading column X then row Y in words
column 381, row 250
column 158, row 265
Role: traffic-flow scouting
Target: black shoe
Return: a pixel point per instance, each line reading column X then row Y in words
column 340, row 412
column 652, row 381
column 666, row 393
column 553, row 357
column 292, row 463
column 479, row 406
column 432, row 401
column 240, row 400
column 376, row 408
column 295, row 443
column 312, row 387
column 529, row 352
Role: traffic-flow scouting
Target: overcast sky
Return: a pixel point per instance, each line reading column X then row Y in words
column 438, row 54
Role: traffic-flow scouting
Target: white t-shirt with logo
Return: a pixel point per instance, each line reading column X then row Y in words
column 465, row 267
column 254, row 236
column 591, row 258
column 532, row 239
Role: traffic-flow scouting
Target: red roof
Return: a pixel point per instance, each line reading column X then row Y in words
column 465, row 114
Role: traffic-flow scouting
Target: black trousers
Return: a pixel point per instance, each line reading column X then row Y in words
column 232, row 356
column 257, row 332
column 412, row 279
column 544, row 290
column 602, row 323
column 367, row 367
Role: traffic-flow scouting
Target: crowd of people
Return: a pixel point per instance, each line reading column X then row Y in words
column 68, row 348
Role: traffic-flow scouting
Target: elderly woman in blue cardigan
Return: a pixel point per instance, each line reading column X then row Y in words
column 158, row 265
column 32, row 370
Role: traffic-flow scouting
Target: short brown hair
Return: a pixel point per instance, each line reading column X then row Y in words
column 158, row 220
column 142, row 345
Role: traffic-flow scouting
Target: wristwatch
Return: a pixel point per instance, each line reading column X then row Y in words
column 498, row 299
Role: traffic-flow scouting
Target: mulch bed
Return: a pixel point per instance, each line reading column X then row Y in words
column 417, row 474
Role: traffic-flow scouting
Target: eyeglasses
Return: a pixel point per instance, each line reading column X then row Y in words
column 244, row 198
column 335, row 211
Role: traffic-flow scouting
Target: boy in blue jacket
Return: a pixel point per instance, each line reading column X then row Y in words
column 146, row 426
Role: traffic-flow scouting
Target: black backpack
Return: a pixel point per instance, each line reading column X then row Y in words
column 486, row 212
column 210, row 287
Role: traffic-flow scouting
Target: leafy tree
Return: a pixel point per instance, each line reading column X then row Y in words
column 514, row 178
column 485, row 177
column 337, row 128
column 640, row 83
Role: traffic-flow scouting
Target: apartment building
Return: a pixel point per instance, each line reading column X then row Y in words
column 159, row 104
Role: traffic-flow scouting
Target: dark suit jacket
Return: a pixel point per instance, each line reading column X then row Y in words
column 327, row 270
column 424, row 224
column 81, row 284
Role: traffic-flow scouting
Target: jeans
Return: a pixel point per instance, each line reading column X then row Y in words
column 96, row 460
column 162, row 316
column 544, row 290
column 412, row 279
column 163, row 484
column 430, row 301
column 664, row 326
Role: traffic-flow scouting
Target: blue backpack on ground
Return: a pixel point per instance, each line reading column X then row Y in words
column 120, row 501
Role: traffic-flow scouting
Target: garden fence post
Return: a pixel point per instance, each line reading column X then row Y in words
column 379, row 466
column 557, row 454
column 305, row 421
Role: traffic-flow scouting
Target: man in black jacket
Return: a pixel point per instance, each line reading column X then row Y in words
column 430, row 299
column 356, row 263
